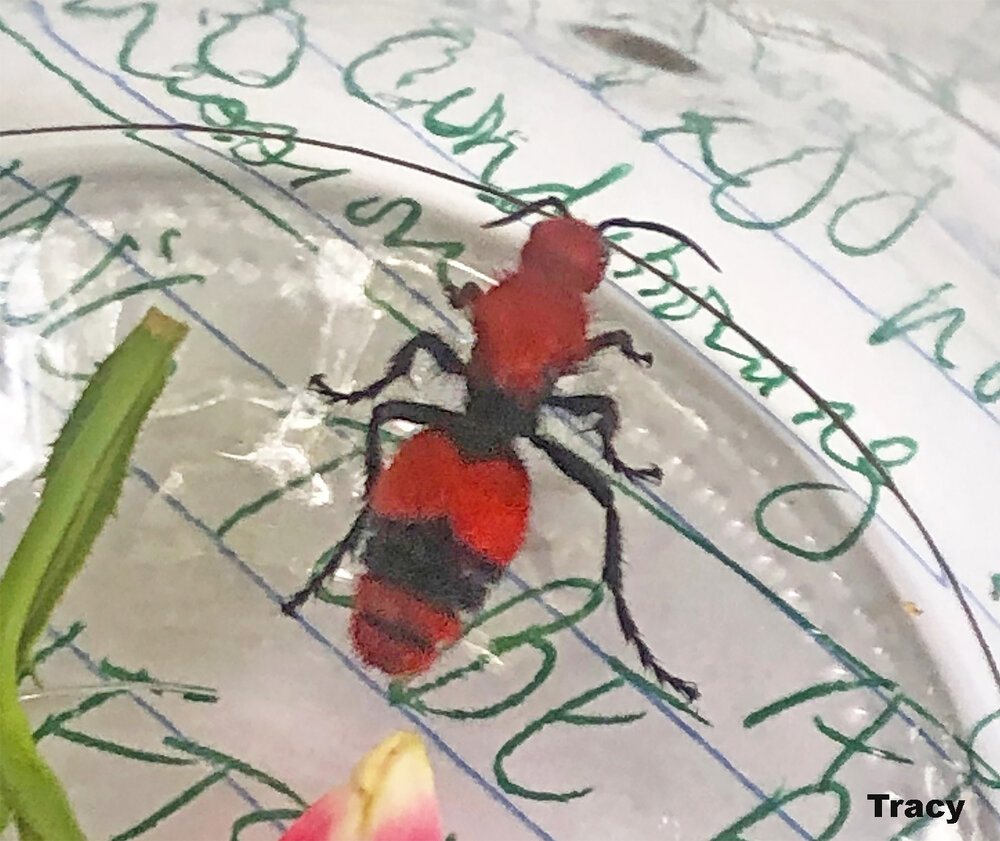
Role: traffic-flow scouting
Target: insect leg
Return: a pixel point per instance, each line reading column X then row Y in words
column 622, row 341
column 391, row 410
column 290, row 605
column 582, row 405
column 597, row 486
column 422, row 413
column 399, row 365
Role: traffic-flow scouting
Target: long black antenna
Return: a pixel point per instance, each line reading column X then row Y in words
column 758, row 345
column 534, row 207
column 660, row 228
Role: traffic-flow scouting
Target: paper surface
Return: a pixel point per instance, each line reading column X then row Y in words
column 843, row 185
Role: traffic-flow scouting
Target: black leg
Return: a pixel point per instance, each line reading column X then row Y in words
column 399, row 365
column 622, row 341
column 422, row 413
column 585, row 475
column 582, row 405
column 290, row 605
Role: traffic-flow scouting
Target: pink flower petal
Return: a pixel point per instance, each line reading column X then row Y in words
column 325, row 820
column 390, row 798
column 399, row 788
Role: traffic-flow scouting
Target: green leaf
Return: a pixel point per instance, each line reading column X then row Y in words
column 83, row 480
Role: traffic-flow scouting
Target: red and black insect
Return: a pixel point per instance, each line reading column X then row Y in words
column 445, row 518
column 494, row 364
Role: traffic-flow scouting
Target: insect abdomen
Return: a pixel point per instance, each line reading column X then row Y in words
column 483, row 501
column 424, row 558
column 419, row 579
column 441, row 532
column 397, row 631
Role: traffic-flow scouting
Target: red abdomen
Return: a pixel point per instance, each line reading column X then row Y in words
column 397, row 631
column 484, row 501
column 442, row 530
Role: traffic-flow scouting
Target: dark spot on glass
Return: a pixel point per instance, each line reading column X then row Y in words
column 637, row 48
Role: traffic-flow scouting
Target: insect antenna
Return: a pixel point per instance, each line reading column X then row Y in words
column 680, row 236
column 255, row 134
column 534, row 207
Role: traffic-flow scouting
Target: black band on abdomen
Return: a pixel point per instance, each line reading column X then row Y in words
column 424, row 557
